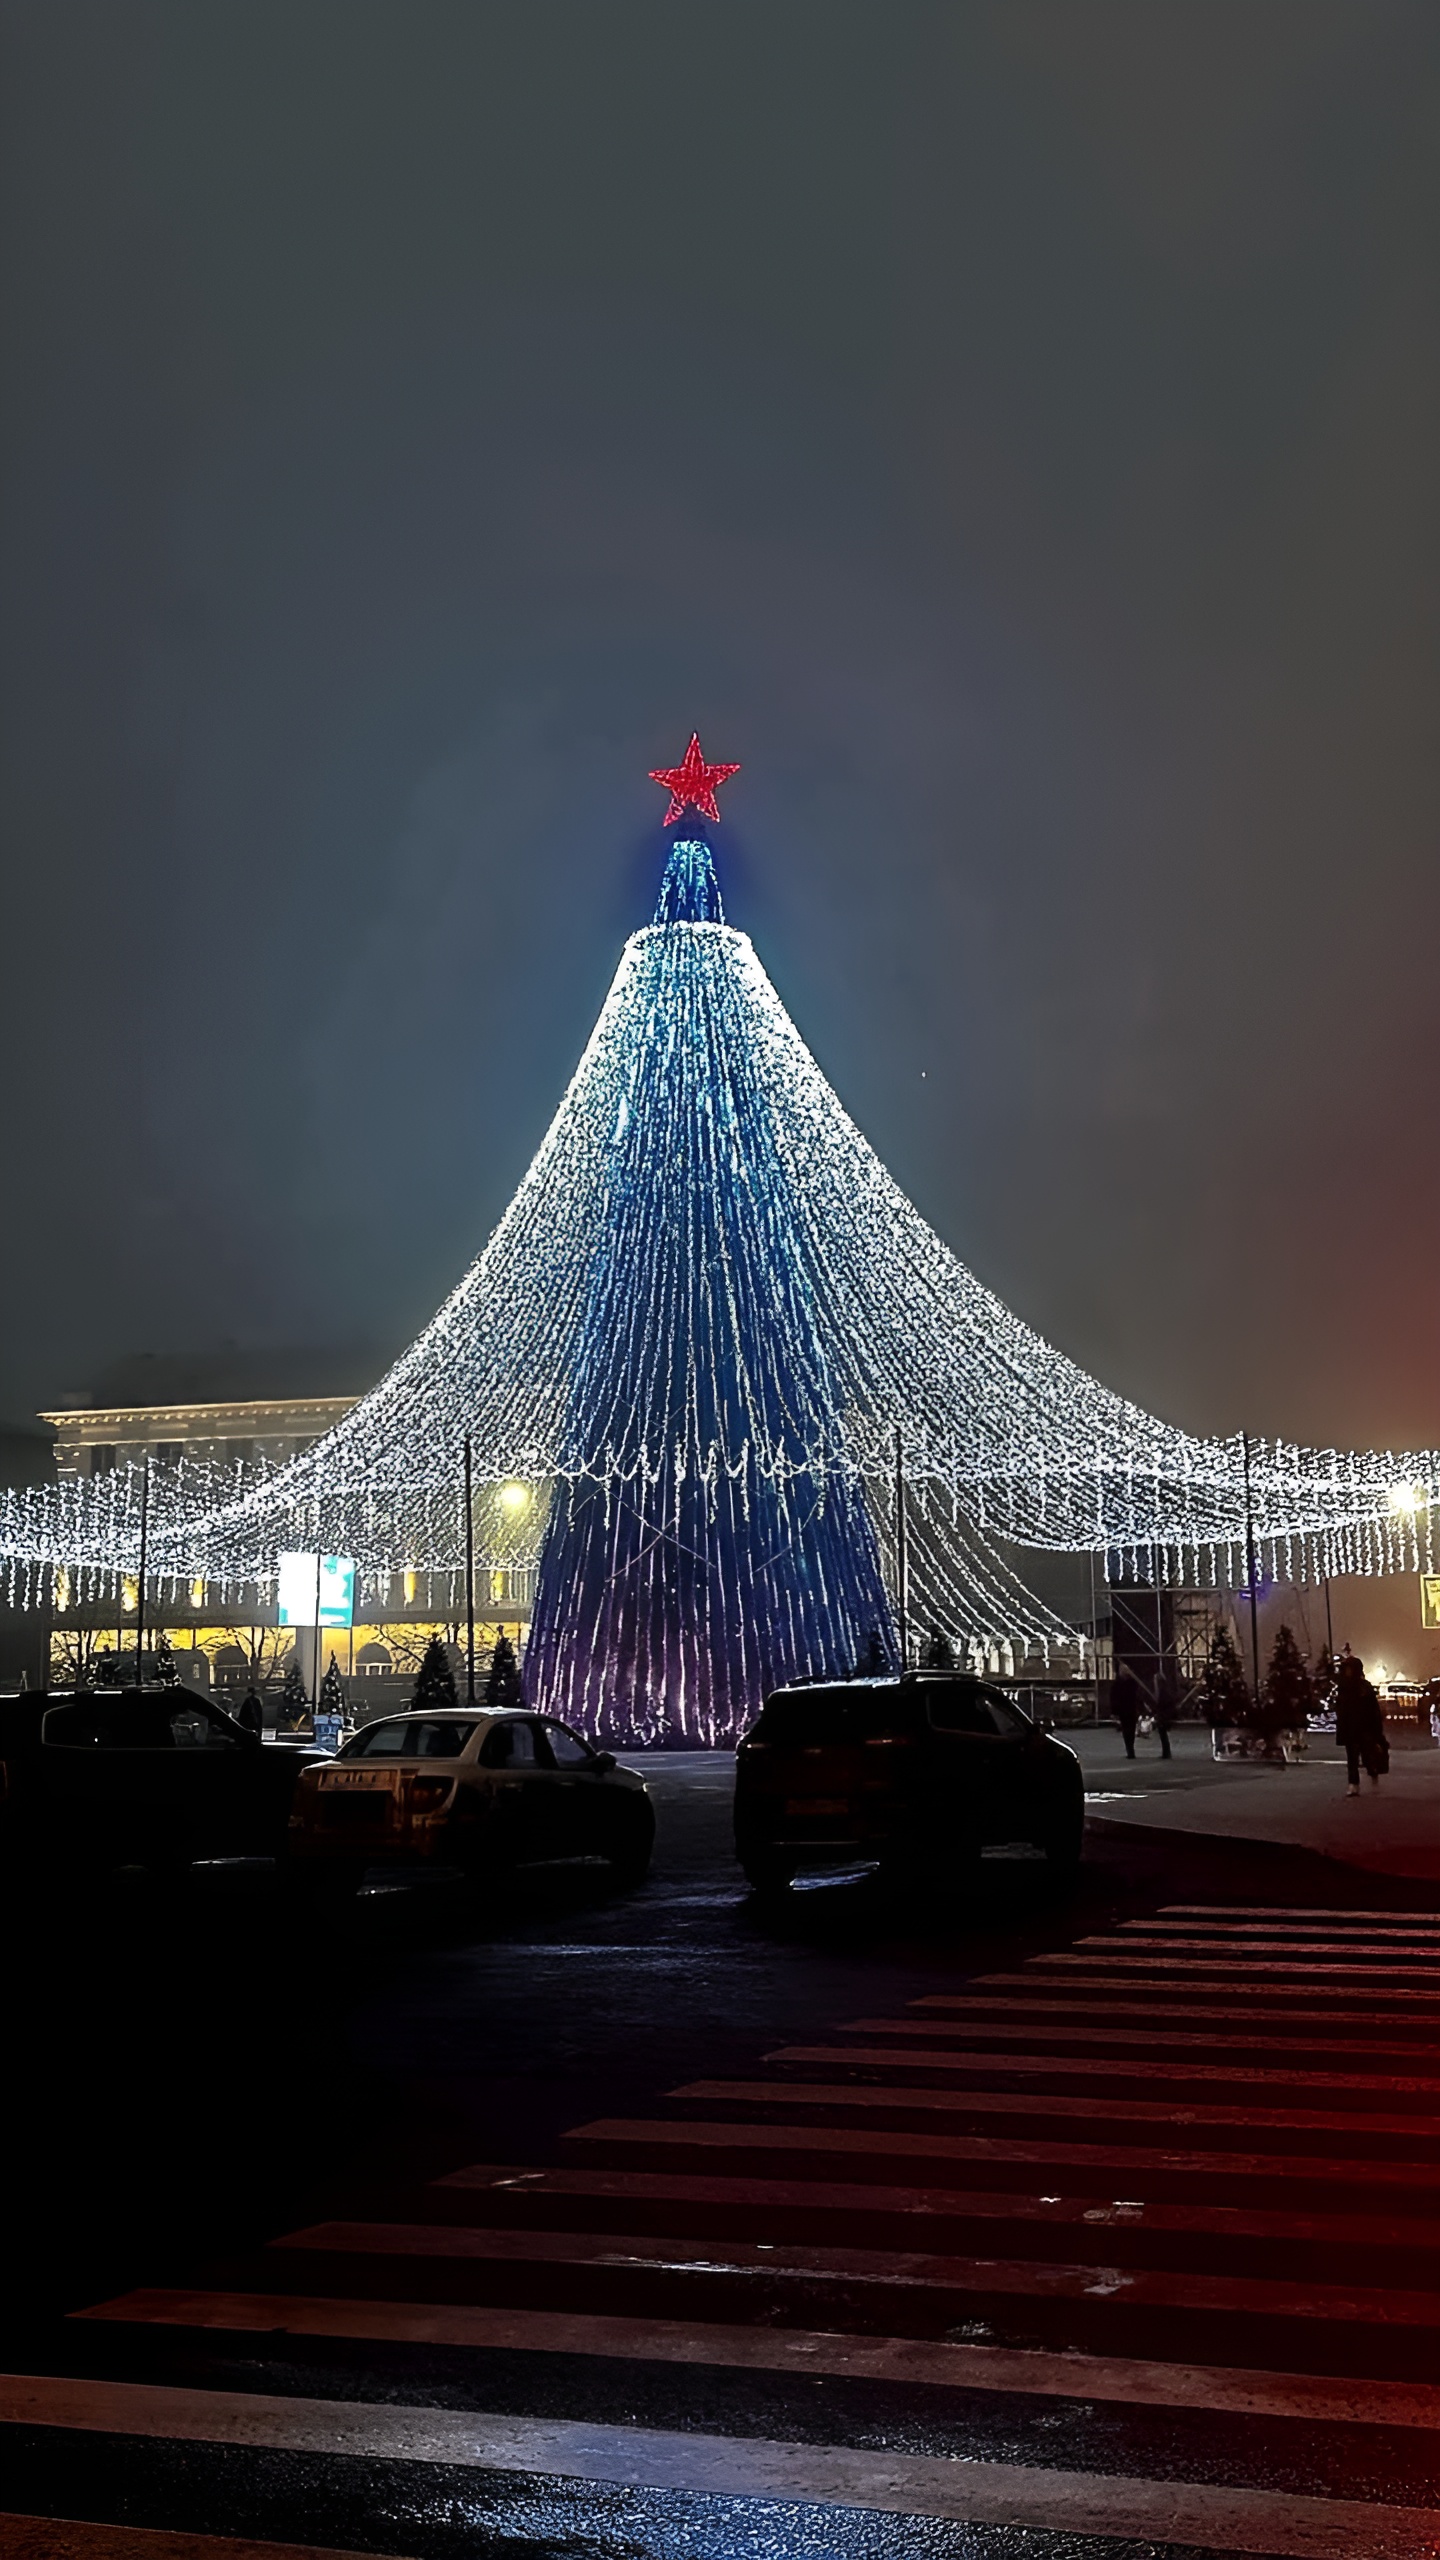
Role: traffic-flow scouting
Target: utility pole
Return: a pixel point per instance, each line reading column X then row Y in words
column 1250, row 1570
column 902, row 1554
column 469, row 1578
column 140, row 1584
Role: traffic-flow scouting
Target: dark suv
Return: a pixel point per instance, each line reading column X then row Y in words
column 149, row 1777
column 918, row 1772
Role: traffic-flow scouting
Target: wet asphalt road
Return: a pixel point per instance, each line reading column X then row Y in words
column 200, row 2073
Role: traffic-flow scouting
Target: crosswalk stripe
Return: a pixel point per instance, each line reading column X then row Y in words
column 1175, row 1960
column 1133, row 2162
column 1057, row 2065
column 1270, row 1998
column 1302, row 1911
column 1297, row 1933
column 1321, row 2398
column 924, row 2271
column 70, row 2538
column 981, row 2027
column 912, row 2099
column 1059, row 2000
column 767, row 2202
column 1281, row 2524
column 1251, row 1950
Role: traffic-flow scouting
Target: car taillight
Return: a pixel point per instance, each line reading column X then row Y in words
column 423, row 1794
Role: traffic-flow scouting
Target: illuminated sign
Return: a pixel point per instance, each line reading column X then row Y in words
column 316, row 1591
column 1430, row 1599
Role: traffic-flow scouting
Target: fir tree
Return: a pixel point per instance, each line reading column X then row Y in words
column 167, row 1669
column 332, row 1691
column 1287, row 1695
column 1223, row 1686
column 939, row 1653
column 503, row 1686
column 435, row 1681
column 1325, row 1678
column 294, row 1696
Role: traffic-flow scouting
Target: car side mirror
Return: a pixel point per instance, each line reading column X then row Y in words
column 603, row 1763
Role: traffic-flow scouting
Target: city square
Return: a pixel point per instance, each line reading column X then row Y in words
column 719, row 1459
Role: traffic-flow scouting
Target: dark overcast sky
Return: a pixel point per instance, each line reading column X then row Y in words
column 1010, row 429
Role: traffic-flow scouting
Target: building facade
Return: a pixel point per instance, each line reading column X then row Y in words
column 227, row 1648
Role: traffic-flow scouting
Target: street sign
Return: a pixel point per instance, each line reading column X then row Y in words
column 1430, row 1599
column 316, row 1590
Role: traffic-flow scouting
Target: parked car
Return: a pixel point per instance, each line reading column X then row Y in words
column 469, row 1794
column 147, row 1777
column 920, row 1770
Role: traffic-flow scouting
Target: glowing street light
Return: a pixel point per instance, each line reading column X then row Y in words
column 514, row 1498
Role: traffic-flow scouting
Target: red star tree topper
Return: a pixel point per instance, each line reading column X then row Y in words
column 692, row 784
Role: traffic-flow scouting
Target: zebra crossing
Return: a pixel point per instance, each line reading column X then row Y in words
column 1134, row 2244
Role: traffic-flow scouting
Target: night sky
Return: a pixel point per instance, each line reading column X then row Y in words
column 1010, row 430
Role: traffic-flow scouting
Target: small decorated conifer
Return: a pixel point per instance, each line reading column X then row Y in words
column 503, row 1685
column 1287, row 1695
column 435, row 1681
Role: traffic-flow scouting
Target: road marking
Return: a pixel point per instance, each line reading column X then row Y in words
column 1282, row 1914
column 1299, row 1933
column 1258, row 1950
column 1054, row 2065
column 1113, row 2161
column 753, row 2199
column 66, row 2538
column 925, row 2271
column 912, row 2100
column 1422, row 2008
column 1281, row 2525
column 1177, row 1961
column 1319, row 2398
column 1011, row 2030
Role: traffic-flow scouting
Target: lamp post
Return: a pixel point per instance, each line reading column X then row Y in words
column 140, row 1582
column 469, row 1577
column 902, row 1554
column 1250, row 1570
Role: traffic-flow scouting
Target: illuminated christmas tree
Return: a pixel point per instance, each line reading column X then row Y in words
column 708, row 1352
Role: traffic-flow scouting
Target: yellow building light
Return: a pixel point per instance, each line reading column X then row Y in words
column 62, row 1588
column 197, row 1595
column 130, row 1594
column 412, row 1585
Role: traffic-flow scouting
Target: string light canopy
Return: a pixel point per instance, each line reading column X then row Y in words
column 690, row 1346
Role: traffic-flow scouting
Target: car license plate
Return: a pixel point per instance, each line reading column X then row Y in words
column 806, row 1805
column 351, row 1779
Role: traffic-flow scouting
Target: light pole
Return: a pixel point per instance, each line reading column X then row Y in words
column 1250, row 1570
column 902, row 1554
column 140, row 1583
column 469, row 1577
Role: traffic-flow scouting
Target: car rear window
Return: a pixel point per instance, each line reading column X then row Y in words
column 959, row 1708
column 801, row 1717
column 412, row 1738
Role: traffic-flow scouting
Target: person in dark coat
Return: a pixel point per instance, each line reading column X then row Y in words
column 251, row 1713
column 1125, row 1700
column 1164, row 1714
column 1359, row 1725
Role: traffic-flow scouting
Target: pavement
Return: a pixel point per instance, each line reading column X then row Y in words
column 1098, row 2221
column 1391, row 1828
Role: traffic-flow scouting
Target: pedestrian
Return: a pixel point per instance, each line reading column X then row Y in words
column 1125, row 1700
column 251, row 1713
column 1164, row 1713
column 1359, row 1725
